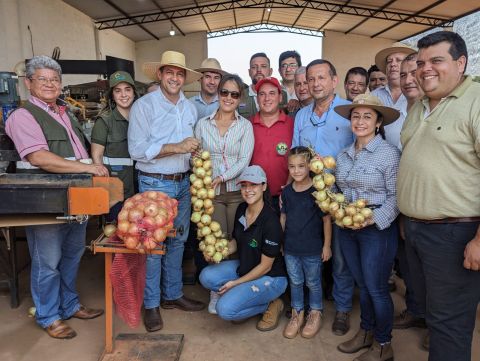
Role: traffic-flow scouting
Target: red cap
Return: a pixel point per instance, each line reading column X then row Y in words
column 270, row 80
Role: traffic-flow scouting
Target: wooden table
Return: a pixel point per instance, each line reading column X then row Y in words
column 103, row 245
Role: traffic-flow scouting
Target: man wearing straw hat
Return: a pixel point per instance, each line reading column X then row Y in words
column 388, row 61
column 160, row 139
column 206, row 102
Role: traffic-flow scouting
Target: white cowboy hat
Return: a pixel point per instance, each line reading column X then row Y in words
column 381, row 57
column 172, row 58
column 211, row 65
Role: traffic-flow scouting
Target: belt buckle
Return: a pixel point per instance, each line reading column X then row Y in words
column 177, row 177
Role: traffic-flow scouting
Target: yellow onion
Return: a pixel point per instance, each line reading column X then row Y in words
column 205, row 155
column 360, row 203
column 367, row 212
column 206, row 219
column 347, row 221
column 329, row 179
column 329, row 162
column 215, row 226
column 109, row 230
column 340, row 213
column 316, row 166
column 197, row 162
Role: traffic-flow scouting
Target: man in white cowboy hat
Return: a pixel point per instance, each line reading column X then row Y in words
column 388, row 60
column 206, row 102
column 160, row 139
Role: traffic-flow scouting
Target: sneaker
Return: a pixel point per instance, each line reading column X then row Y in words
column 407, row 320
column 271, row 316
column 314, row 321
column 212, row 306
column 341, row 324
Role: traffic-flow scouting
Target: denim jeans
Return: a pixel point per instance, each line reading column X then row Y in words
column 343, row 281
column 305, row 270
column 165, row 271
column 55, row 250
column 452, row 292
column 245, row 300
column 369, row 254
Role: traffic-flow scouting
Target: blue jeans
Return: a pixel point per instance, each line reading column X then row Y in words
column 305, row 270
column 452, row 292
column 369, row 254
column 165, row 271
column 343, row 281
column 55, row 250
column 245, row 300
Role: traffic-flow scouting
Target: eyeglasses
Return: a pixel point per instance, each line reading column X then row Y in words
column 234, row 94
column 43, row 81
column 289, row 65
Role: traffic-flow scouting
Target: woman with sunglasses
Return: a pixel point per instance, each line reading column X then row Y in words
column 251, row 284
column 229, row 139
column 109, row 135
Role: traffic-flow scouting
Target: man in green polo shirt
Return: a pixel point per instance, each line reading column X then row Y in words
column 439, row 192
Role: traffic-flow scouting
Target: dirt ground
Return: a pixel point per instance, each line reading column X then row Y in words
column 206, row 336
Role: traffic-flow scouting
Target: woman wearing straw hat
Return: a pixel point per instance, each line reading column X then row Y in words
column 109, row 134
column 367, row 169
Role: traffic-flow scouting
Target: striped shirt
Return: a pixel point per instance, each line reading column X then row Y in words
column 371, row 174
column 230, row 153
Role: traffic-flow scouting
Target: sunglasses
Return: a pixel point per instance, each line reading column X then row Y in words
column 234, row 94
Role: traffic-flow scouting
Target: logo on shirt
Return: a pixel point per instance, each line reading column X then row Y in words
column 282, row 148
column 271, row 243
column 253, row 243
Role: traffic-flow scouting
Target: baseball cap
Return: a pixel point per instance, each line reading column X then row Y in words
column 253, row 174
column 121, row 77
column 270, row 80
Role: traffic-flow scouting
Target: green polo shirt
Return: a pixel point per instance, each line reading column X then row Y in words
column 439, row 173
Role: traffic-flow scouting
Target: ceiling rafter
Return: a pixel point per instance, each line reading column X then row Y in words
column 366, row 19
column 171, row 21
column 331, row 18
column 135, row 22
column 327, row 6
column 234, row 16
column 436, row 3
column 203, row 17
column 264, row 28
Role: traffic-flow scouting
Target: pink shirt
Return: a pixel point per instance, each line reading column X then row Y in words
column 28, row 136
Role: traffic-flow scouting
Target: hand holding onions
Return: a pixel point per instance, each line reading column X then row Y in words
column 213, row 244
column 353, row 215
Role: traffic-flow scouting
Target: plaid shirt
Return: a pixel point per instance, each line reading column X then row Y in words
column 371, row 174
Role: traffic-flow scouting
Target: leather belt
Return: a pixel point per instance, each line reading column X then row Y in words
column 176, row 177
column 447, row 220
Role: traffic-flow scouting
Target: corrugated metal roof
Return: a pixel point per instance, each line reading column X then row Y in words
column 394, row 19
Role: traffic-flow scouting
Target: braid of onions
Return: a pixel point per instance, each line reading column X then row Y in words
column 345, row 214
column 213, row 243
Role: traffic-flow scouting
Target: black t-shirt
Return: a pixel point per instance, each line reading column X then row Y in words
column 264, row 236
column 304, row 224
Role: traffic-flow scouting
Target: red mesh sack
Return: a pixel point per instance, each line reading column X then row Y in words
column 128, row 282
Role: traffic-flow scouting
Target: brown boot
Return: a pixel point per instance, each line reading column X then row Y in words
column 271, row 316
column 361, row 340
column 314, row 321
column 296, row 321
column 377, row 352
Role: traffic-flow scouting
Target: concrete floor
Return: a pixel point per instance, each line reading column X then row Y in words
column 206, row 336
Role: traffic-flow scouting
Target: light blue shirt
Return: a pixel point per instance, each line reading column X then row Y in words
column 203, row 108
column 328, row 134
column 155, row 121
column 392, row 130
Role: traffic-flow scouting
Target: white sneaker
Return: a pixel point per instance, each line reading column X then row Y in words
column 214, row 296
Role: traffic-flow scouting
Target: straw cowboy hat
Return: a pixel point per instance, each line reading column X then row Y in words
column 212, row 65
column 172, row 58
column 369, row 101
column 381, row 57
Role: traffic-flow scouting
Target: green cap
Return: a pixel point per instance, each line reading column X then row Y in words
column 121, row 77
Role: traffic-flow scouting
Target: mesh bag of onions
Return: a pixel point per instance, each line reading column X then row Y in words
column 143, row 223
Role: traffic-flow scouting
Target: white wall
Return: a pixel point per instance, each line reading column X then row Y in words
column 54, row 23
column 194, row 46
